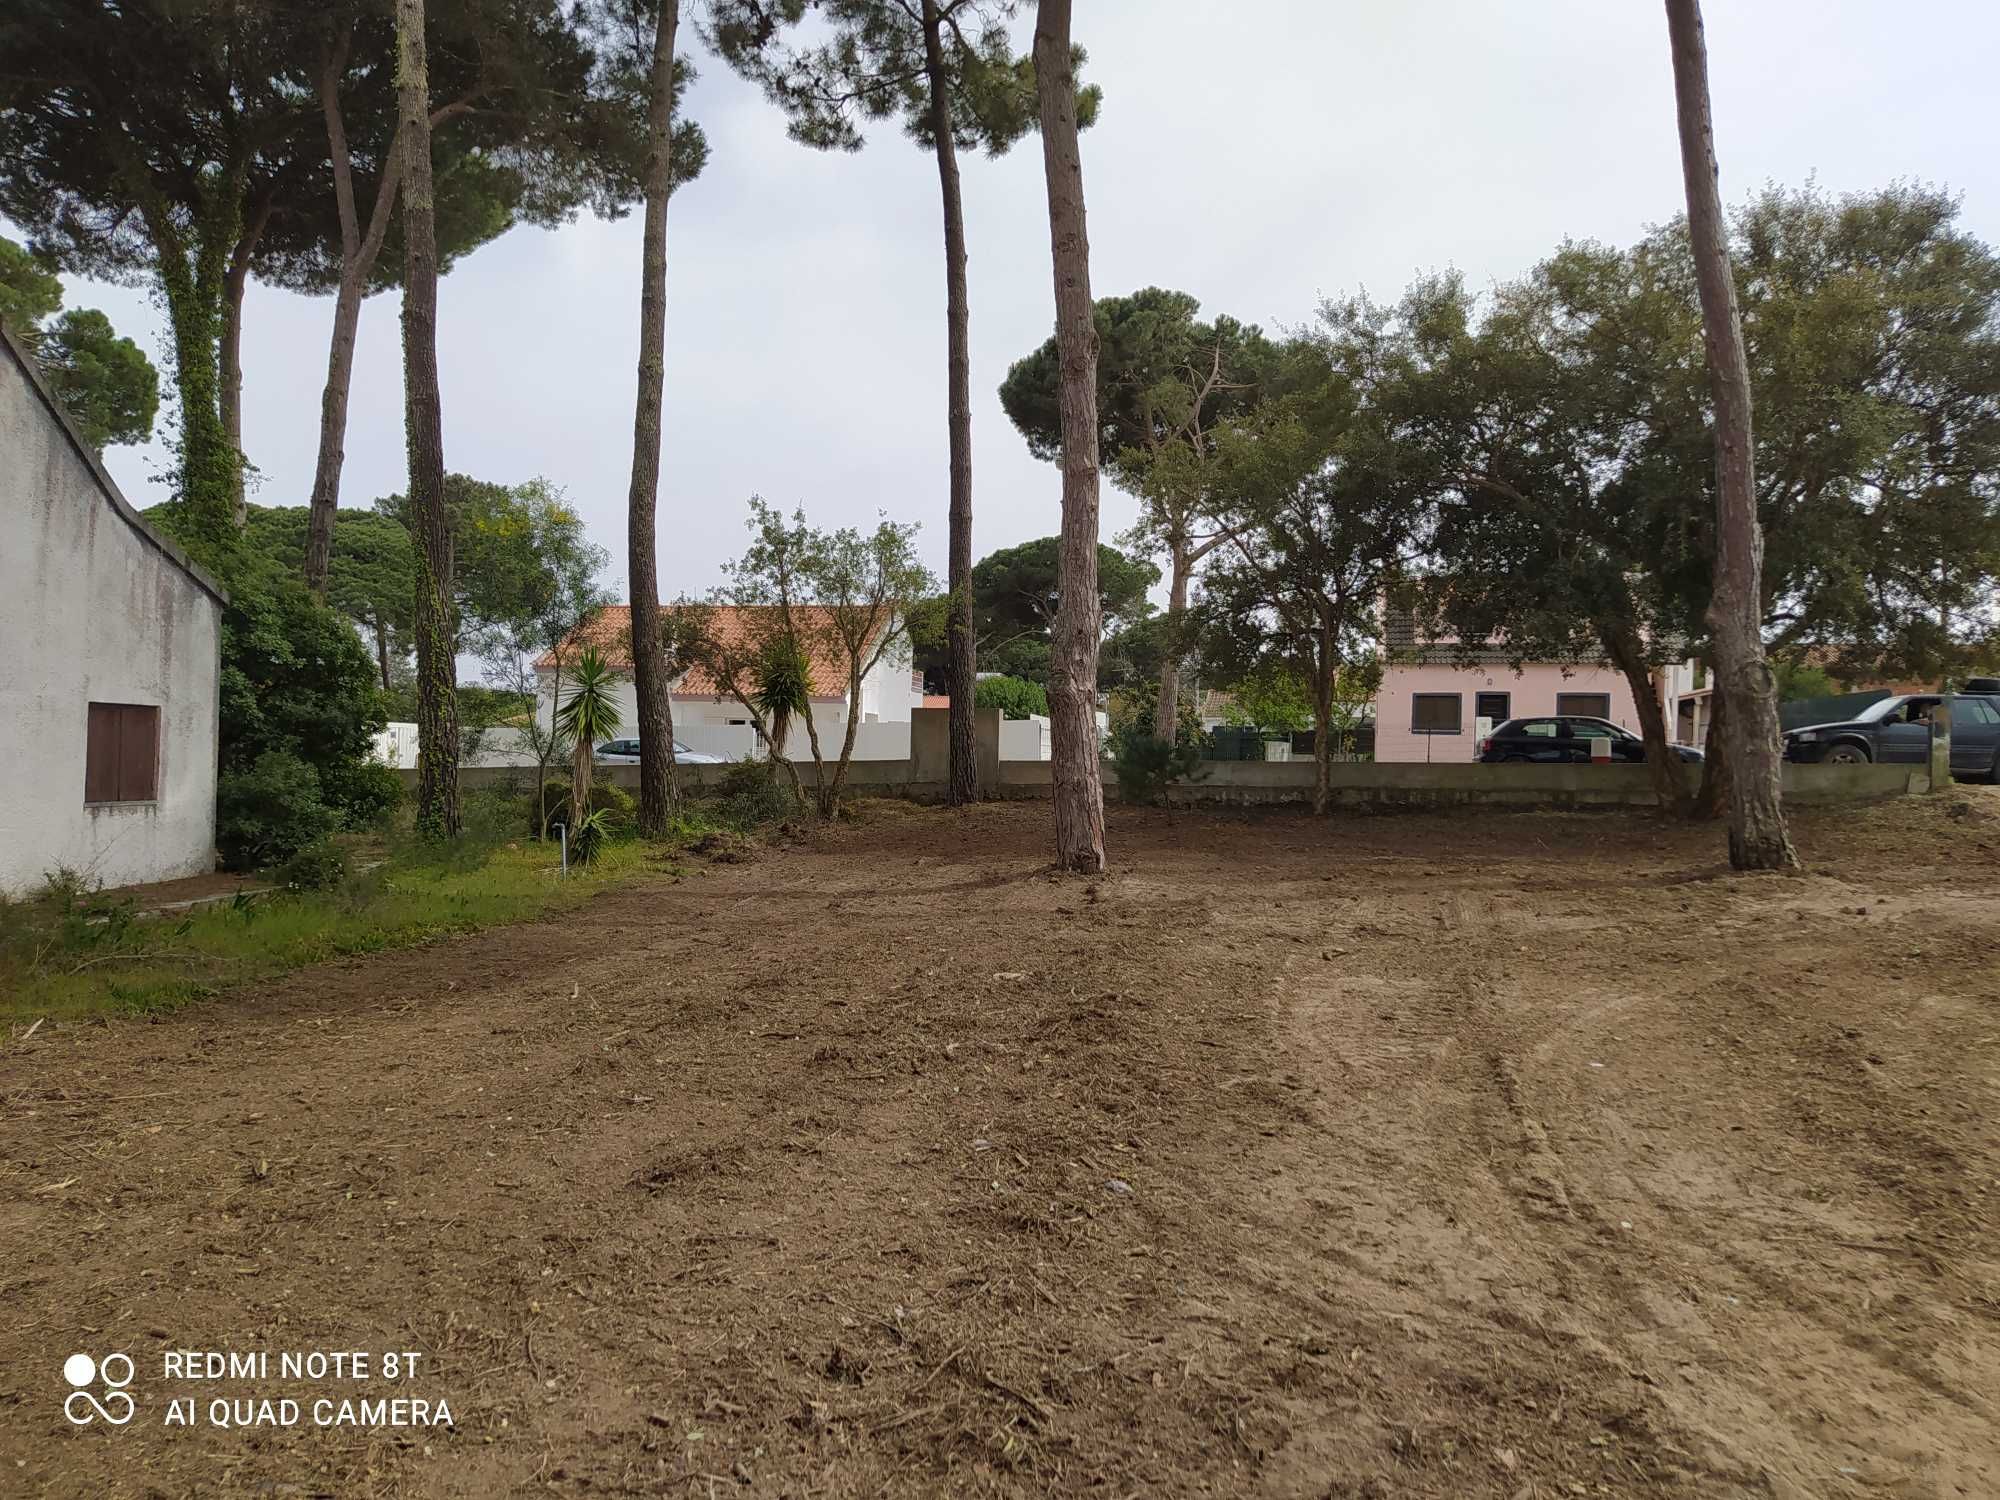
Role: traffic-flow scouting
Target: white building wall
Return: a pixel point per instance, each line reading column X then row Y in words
column 94, row 608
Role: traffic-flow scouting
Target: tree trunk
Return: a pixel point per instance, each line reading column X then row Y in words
column 357, row 260
column 1758, row 839
column 229, row 397
column 1079, row 789
column 1669, row 776
column 437, row 665
column 1326, row 668
column 650, row 674
column 382, row 651
column 1166, row 712
column 1712, row 800
column 192, row 266
column 961, row 667
column 579, row 783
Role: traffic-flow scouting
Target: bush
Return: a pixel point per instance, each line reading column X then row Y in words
column 1147, row 766
column 746, row 777
column 1015, row 697
column 320, row 866
column 364, row 793
column 621, row 812
column 588, row 838
column 268, row 813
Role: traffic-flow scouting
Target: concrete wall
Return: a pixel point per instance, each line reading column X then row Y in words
column 94, row 607
column 1358, row 784
column 1532, row 690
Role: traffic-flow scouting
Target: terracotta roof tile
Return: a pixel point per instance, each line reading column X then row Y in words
column 610, row 630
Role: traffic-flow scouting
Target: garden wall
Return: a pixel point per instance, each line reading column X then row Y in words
column 1355, row 784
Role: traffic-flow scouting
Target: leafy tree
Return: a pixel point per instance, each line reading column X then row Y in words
column 1167, row 385
column 1273, row 697
column 1014, row 601
column 587, row 715
column 1799, row 680
column 106, row 383
column 947, row 70
column 807, row 595
column 371, row 575
column 1326, row 507
column 1013, row 696
column 295, row 681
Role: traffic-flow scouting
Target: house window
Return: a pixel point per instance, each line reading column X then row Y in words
column 1435, row 713
column 121, row 759
column 1494, row 706
column 1583, row 705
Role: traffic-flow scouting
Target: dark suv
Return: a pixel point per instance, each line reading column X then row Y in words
column 1898, row 731
column 1564, row 739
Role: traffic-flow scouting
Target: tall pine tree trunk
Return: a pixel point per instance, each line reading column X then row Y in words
column 1326, row 671
column 1166, row 711
column 437, row 663
column 357, row 260
column 1758, row 839
column 1079, row 789
column 657, row 792
column 961, row 669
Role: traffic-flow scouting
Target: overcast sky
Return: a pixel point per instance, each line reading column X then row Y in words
column 1295, row 150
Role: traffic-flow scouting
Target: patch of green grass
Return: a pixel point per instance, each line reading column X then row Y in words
column 69, row 954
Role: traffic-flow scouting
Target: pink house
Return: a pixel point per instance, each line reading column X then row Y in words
column 1431, row 700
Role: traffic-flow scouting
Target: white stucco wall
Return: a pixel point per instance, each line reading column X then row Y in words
column 93, row 608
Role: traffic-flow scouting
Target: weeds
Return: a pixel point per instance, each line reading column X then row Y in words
column 75, row 953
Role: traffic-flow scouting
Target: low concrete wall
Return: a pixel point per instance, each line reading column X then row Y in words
column 1354, row 784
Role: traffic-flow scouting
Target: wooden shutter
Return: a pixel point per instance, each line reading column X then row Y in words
column 100, row 760
column 122, row 753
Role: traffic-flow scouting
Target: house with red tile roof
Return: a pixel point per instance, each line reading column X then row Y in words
column 706, row 716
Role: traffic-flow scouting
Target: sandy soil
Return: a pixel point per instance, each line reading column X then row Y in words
column 1516, row 1156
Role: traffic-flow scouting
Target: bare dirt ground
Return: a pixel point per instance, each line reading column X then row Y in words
column 1509, row 1155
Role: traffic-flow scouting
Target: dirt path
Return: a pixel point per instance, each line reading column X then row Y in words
column 1514, row 1157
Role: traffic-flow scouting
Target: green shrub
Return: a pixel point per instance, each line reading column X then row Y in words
column 1015, row 697
column 321, row 866
column 747, row 776
column 1147, row 766
column 614, row 801
column 364, row 793
column 588, row 838
column 267, row 813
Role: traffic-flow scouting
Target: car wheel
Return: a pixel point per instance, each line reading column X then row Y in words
column 1845, row 755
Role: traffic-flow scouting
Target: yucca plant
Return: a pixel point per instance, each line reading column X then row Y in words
column 783, row 682
column 588, row 715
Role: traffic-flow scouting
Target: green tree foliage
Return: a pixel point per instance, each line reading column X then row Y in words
column 843, row 597
column 1147, row 766
column 1014, row 599
column 105, row 382
column 372, row 578
column 1015, row 697
column 186, row 145
column 269, row 810
column 296, row 681
column 1168, row 385
column 1273, row 697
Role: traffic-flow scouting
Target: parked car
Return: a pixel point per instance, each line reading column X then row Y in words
column 1898, row 731
column 1564, row 739
column 626, row 753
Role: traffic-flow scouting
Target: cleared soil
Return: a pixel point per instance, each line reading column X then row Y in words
column 1505, row 1155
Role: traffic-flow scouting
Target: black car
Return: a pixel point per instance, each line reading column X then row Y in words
column 1898, row 731
column 1564, row 739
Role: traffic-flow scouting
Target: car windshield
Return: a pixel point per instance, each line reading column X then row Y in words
column 1887, row 708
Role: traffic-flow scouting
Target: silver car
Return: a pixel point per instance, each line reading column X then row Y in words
column 626, row 753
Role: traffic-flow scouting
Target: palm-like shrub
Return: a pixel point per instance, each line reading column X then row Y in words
column 783, row 682
column 588, row 715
